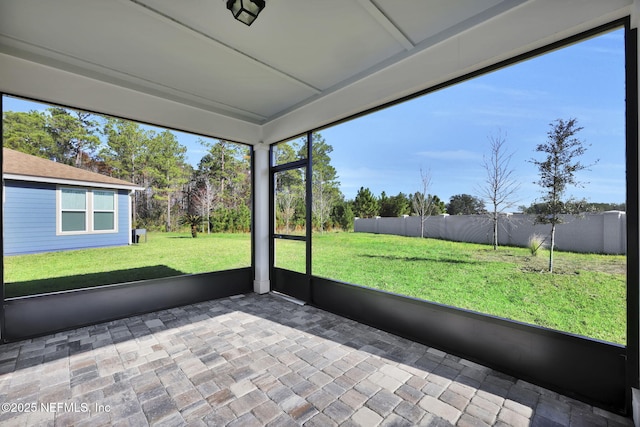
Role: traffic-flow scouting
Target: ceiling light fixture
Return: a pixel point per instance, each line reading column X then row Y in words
column 245, row 11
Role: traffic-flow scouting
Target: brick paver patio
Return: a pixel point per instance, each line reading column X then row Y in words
column 260, row 360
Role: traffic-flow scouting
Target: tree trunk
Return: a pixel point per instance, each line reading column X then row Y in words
column 78, row 160
column 168, row 212
column 495, row 231
column 202, row 217
column 553, row 241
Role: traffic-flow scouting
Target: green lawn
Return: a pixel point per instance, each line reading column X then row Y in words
column 586, row 295
column 164, row 254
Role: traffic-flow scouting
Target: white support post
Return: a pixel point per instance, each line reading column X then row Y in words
column 131, row 193
column 261, row 282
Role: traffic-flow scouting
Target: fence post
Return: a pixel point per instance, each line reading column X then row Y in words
column 612, row 233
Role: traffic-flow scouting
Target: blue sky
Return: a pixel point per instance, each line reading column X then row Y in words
column 447, row 132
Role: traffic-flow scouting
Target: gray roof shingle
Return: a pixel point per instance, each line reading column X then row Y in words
column 32, row 168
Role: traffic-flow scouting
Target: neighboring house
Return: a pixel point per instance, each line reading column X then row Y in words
column 48, row 206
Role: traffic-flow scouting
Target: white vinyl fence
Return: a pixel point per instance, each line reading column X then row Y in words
column 603, row 232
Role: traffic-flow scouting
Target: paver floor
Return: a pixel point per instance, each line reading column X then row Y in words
column 260, row 360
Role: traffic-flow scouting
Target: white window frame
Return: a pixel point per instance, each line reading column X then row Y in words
column 59, row 210
column 114, row 195
column 89, row 211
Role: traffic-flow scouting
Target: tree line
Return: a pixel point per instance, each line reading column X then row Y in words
column 217, row 191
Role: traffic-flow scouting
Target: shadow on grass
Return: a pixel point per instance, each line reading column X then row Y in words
column 420, row 259
column 56, row 284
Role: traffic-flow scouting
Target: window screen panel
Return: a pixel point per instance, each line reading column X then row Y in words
column 103, row 221
column 74, row 221
column 73, row 198
column 103, row 200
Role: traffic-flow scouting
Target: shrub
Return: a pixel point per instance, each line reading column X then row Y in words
column 193, row 221
column 536, row 241
column 231, row 220
column 342, row 215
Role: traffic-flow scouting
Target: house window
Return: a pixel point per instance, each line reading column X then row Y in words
column 82, row 211
column 73, row 203
column 104, row 210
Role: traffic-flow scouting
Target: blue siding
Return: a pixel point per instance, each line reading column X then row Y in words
column 30, row 221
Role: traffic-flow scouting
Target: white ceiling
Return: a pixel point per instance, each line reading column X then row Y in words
column 302, row 64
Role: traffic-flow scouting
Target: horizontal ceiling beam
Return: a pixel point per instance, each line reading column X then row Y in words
column 387, row 24
column 34, row 80
column 63, row 61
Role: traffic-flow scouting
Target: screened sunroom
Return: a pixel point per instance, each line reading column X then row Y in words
column 310, row 107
